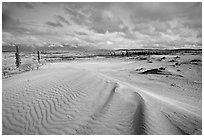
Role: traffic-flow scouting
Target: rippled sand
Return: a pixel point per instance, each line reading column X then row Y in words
column 95, row 98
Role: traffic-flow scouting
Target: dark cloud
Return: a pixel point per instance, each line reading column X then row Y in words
column 54, row 24
column 164, row 11
column 62, row 19
column 71, row 12
column 7, row 21
column 198, row 4
column 10, row 24
column 76, row 16
column 28, row 5
column 19, row 5
column 102, row 22
column 194, row 24
column 89, row 5
column 94, row 17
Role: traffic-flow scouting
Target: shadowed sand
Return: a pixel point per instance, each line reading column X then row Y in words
column 69, row 99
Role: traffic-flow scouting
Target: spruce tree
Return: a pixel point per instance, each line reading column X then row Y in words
column 38, row 56
column 18, row 62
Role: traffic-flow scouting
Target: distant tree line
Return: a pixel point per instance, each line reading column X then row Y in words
column 150, row 52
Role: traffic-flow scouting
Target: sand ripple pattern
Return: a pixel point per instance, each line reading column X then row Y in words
column 68, row 102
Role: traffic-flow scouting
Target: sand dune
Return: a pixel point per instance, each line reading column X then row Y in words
column 68, row 102
column 62, row 99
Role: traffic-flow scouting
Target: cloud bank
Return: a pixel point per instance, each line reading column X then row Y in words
column 104, row 25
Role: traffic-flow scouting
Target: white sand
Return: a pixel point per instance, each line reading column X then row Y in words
column 103, row 97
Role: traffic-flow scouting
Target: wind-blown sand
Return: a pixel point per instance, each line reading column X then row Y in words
column 98, row 98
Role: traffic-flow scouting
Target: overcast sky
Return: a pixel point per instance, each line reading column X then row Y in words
column 103, row 25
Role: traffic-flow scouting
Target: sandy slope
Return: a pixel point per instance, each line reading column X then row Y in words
column 80, row 98
column 68, row 101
